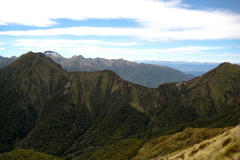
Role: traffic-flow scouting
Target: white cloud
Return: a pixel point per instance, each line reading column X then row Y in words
column 78, row 31
column 151, row 34
column 97, row 48
column 158, row 19
column 42, row 13
column 1, row 48
column 94, row 48
column 90, row 47
column 67, row 43
column 187, row 50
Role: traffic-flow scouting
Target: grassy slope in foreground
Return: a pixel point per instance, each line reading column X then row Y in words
column 167, row 144
column 224, row 146
column 26, row 154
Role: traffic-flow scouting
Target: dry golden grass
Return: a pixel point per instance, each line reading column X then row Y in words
column 168, row 144
column 222, row 147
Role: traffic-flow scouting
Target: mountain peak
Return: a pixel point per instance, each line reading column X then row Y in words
column 38, row 60
column 78, row 57
column 52, row 54
column 226, row 67
column 14, row 57
column 224, row 63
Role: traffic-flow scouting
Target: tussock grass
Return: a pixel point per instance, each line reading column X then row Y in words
column 167, row 144
column 27, row 154
column 224, row 146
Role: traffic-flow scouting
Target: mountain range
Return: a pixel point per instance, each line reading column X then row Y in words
column 4, row 61
column 193, row 68
column 144, row 74
column 98, row 115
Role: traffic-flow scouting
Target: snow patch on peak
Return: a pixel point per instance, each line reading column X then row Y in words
column 52, row 54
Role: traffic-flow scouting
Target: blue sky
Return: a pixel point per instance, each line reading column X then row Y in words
column 172, row 30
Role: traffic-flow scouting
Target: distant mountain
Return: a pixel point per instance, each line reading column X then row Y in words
column 2, row 58
column 4, row 61
column 98, row 115
column 144, row 74
column 54, row 56
column 14, row 57
column 193, row 68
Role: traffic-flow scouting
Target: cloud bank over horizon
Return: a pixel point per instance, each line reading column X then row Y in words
column 151, row 23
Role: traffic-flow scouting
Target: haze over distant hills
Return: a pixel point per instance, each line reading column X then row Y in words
column 193, row 68
column 98, row 115
column 143, row 74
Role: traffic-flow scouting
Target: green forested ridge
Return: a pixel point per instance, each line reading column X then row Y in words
column 24, row 87
column 84, row 115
